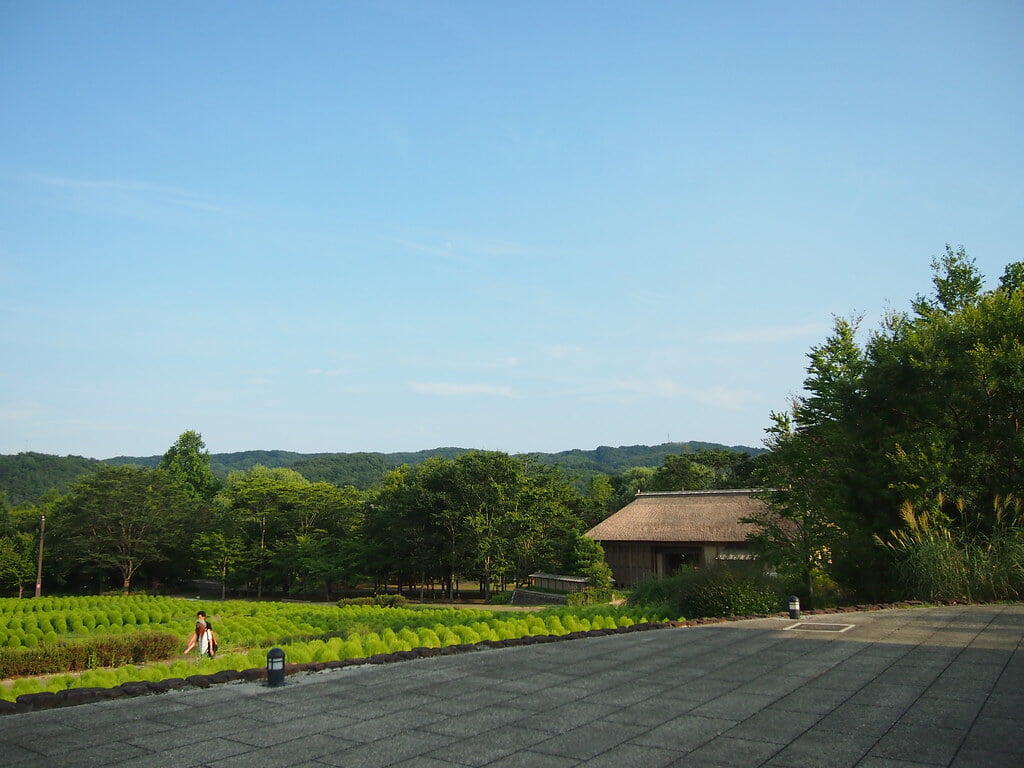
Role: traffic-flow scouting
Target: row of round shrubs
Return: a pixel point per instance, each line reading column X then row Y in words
column 238, row 623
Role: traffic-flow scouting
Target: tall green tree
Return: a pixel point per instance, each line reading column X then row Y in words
column 189, row 462
column 17, row 562
column 121, row 519
column 264, row 500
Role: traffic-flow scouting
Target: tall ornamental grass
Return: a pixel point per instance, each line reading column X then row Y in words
column 939, row 557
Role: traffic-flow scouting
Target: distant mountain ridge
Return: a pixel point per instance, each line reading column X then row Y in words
column 27, row 476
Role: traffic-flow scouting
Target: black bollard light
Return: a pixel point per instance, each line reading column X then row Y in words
column 275, row 667
column 794, row 607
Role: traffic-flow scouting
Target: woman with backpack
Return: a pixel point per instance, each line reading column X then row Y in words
column 203, row 637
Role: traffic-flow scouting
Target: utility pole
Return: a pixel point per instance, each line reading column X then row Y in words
column 39, row 565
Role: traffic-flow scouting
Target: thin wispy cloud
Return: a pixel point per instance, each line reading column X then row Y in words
column 770, row 333
column 450, row 389
column 15, row 413
column 128, row 190
column 561, row 351
column 665, row 388
column 465, row 247
column 504, row 362
column 443, row 251
column 724, row 397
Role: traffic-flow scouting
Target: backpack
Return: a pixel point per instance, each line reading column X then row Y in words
column 211, row 647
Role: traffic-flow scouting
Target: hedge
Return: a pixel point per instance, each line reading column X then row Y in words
column 88, row 653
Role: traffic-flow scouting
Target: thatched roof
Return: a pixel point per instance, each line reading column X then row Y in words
column 684, row 516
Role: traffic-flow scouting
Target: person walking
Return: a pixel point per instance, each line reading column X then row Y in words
column 201, row 637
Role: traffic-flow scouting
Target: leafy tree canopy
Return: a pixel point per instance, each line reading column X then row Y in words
column 189, row 462
column 930, row 407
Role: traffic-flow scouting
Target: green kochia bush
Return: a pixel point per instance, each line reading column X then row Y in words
column 708, row 592
column 77, row 655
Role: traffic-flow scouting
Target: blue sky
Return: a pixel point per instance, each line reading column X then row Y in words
column 525, row 226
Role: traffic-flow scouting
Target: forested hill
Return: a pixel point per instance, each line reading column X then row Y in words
column 25, row 477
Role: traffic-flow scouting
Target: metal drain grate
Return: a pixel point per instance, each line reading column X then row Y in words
column 817, row 626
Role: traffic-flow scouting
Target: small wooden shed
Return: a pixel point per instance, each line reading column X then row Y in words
column 659, row 532
column 556, row 582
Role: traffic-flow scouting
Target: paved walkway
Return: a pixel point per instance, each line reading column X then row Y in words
column 912, row 687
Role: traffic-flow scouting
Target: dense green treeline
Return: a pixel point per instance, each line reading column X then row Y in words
column 26, row 477
column 485, row 517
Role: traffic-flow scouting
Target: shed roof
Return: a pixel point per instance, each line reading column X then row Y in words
column 684, row 516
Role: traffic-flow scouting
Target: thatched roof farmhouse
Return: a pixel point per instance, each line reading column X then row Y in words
column 657, row 533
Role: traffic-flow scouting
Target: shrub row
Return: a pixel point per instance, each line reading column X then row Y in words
column 718, row 591
column 88, row 653
column 382, row 601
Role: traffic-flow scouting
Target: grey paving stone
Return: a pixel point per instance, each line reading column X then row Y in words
column 887, row 762
column 776, row 726
column 485, row 697
column 389, row 725
column 650, row 713
column 996, row 734
column 976, row 758
column 479, row 721
column 629, row 755
column 528, row 759
column 489, row 746
column 1005, row 705
column 733, row 706
column 702, row 689
column 96, row 755
column 427, row 762
column 268, row 734
column 732, row 752
column 588, row 740
column 848, row 681
column 813, row 699
column 189, row 755
column 388, row 751
column 923, row 743
column 821, row 749
column 775, row 685
column 567, row 717
column 859, row 720
column 17, row 755
column 944, row 713
column 291, row 753
column 885, row 694
column 640, row 691
column 915, row 676
column 684, row 733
